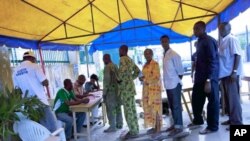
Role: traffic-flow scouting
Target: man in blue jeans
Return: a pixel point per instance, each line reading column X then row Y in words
column 206, row 80
column 172, row 75
column 65, row 98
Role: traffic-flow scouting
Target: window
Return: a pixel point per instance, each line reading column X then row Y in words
column 83, row 59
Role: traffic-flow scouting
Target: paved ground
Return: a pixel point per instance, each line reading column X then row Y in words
column 222, row 135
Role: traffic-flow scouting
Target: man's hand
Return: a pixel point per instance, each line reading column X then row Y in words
column 119, row 81
column 207, row 87
column 104, row 98
column 85, row 100
column 45, row 82
column 233, row 77
column 89, row 94
column 141, row 78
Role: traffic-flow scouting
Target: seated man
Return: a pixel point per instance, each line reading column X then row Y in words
column 93, row 84
column 78, row 87
column 65, row 98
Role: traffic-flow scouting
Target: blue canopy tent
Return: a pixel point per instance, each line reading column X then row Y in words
column 148, row 35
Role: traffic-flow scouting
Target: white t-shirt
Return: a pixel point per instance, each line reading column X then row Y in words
column 29, row 77
column 229, row 46
column 172, row 68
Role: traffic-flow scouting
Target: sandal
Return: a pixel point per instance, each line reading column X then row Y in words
column 206, row 131
column 175, row 132
column 170, row 128
column 226, row 122
column 130, row 135
column 151, row 131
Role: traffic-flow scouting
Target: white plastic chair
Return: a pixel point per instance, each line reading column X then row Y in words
column 29, row 130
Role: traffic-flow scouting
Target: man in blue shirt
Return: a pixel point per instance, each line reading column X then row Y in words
column 206, row 80
column 230, row 71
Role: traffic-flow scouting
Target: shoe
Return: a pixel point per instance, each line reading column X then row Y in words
column 151, row 131
column 192, row 126
column 175, row 132
column 170, row 128
column 226, row 122
column 84, row 126
column 93, row 123
column 109, row 130
column 206, row 131
column 130, row 135
column 119, row 126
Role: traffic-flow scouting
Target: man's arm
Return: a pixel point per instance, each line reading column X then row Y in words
column 212, row 58
column 178, row 65
column 41, row 76
column 136, row 71
column 76, row 101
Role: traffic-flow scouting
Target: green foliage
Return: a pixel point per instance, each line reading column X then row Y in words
column 12, row 102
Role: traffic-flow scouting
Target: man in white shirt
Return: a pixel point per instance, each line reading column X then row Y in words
column 80, row 92
column 230, row 70
column 172, row 75
column 28, row 76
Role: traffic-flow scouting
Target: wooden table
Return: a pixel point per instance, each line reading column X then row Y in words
column 94, row 101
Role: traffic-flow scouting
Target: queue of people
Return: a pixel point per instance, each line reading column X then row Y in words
column 213, row 63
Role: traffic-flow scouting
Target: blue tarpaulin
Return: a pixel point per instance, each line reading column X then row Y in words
column 148, row 35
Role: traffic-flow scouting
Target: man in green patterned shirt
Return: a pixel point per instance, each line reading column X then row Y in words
column 110, row 95
column 127, row 73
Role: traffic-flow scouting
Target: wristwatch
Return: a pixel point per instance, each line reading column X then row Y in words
column 208, row 80
column 234, row 70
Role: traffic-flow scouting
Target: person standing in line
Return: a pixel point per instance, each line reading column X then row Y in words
column 172, row 75
column 152, row 101
column 28, row 76
column 230, row 71
column 206, row 81
column 127, row 73
column 110, row 95
column 193, row 59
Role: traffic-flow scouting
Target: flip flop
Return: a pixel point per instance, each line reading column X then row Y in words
column 206, row 131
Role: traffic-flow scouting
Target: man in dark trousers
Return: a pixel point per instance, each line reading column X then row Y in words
column 230, row 70
column 206, row 80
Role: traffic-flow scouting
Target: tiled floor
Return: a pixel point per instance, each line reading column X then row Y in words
column 222, row 135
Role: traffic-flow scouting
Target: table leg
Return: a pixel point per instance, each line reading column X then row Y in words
column 104, row 114
column 88, row 125
column 186, row 105
column 74, row 125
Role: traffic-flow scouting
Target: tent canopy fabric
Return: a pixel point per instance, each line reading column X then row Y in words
column 149, row 35
column 66, row 24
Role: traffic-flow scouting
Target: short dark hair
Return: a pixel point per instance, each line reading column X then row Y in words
column 108, row 55
column 81, row 76
column 201, row 24
column 66, row 81
column 150, row 50
column 227, row 24
column 164, row 36
column 124, row 47
column 94, row 76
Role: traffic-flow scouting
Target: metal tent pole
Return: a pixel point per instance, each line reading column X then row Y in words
column 87, row 58
column 43, row 68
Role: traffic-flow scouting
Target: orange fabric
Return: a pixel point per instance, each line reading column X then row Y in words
column 152, row 101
